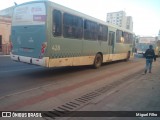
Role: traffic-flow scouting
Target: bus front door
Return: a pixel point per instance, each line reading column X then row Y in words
column 111, row 44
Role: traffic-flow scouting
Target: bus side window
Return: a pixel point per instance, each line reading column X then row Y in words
column 119, row 35
column 130, row 39
column 57, row 23
column 90, row 30
column 126, row 38
column 102, row 33
column 72, row 26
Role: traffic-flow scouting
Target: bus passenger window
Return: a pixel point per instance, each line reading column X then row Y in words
column 57, row 23
column 90, row 30
column 103, row 32
column 126, row 39
column 119, row 36
column 72, row 26
column 130, row 41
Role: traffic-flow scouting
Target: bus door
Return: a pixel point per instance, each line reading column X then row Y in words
column 111, row 44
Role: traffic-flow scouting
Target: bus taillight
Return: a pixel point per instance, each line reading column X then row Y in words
column 43, row 48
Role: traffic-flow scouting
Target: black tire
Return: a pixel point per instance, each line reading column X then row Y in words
column 128, row 55
column 97, row 61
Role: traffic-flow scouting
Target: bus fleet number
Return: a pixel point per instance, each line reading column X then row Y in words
column 56, row 48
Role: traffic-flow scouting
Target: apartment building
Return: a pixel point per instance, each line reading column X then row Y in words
column 120, row 19
column 129, row 23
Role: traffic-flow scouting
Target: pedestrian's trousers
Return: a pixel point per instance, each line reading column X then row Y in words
column 149, row 64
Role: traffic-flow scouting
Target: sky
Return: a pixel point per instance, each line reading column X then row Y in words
column 145, row 13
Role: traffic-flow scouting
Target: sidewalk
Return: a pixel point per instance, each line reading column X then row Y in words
column 140, row 93
column 1, row 55
column 4, row 55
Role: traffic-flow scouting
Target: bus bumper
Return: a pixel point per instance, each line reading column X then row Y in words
column 140, row 52
column 30, row 60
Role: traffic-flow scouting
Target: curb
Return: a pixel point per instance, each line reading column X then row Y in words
column 4, row 55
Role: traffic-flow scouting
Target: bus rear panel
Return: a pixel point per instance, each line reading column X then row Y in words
column 28, row 33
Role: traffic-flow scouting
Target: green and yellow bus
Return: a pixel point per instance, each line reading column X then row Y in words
column 157, row 48
column 48, row 34
column 142, row 47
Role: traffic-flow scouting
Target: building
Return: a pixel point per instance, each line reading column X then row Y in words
column 147, row 39
column 159, row 35
column 5, row 30
column 119, row 18
column 129, row 23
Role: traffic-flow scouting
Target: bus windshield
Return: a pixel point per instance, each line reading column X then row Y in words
column 29, row 14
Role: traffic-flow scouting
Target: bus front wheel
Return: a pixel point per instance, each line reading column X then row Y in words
column 97, row 61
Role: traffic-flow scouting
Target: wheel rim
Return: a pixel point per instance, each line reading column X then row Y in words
column 98, row 61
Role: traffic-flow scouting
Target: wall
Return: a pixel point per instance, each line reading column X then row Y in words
column 5, row 31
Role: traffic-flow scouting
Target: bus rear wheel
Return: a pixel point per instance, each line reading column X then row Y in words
column 128, row 55
column 97, row 61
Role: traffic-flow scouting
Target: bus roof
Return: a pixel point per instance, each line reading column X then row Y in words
column 77, row 13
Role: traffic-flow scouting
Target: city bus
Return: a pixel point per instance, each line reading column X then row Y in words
column 51, row 35
column 157, row 48
column 142, row 47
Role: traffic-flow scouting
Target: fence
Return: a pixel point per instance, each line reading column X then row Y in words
column 5, row 49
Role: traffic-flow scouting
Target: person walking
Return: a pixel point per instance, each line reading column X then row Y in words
column 149, row 55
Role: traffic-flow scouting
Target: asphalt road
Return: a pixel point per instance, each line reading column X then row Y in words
column 13, row 75
column 16, row 77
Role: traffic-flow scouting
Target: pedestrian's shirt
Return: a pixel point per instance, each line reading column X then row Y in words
column 149, row 54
